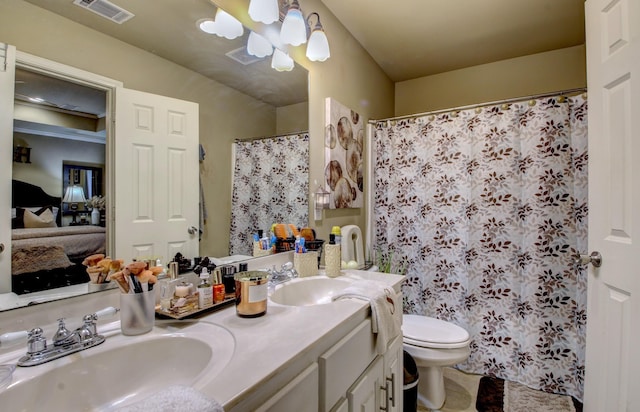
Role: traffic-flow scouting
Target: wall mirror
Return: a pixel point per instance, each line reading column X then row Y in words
column 174, row 41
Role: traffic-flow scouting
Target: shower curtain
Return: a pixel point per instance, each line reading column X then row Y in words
column 486, row 209
column 270, row 185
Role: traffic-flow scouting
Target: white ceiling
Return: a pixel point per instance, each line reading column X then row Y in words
column 415, row 38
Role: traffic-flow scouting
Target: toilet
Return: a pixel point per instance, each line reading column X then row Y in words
column 433, row 344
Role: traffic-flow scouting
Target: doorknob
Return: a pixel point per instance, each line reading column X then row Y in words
column 595, row 258
column 1, row 247
column 192, row 230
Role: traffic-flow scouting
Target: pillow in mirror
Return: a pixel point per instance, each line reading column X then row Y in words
column 17, row 214
column 45, row 219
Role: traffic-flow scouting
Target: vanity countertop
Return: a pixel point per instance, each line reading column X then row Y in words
column 272, row 349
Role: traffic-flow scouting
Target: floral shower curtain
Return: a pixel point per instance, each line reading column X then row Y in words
column 270, row 185
column 485, row 209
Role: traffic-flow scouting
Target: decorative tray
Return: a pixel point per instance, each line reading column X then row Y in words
column 216, row 306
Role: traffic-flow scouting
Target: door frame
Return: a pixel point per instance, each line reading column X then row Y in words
column 71, row 74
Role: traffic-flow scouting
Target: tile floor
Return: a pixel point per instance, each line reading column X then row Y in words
column 462, row 389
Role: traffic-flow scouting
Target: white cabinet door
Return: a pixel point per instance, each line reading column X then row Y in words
column 613, row 78
column 300, row 395
column 343, row 363
column 341, row 406
column 364, row 395
column 394, row 377
column 7, row 79
column 156, row 173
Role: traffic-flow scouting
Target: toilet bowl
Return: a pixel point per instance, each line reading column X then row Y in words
column 433, row 344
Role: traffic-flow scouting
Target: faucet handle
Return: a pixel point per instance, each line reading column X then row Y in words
column 108, row 311
column 62, row 334
column 36, row 342
column 12, row 338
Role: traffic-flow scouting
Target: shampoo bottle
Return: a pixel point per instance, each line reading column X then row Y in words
column 332, row 260
column 205, row 291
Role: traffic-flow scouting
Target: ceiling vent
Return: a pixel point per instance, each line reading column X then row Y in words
column 105, row 9
column 241, row 56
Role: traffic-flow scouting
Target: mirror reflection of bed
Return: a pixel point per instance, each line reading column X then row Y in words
column 45, row 254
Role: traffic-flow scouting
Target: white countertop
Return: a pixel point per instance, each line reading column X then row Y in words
column 274, row 348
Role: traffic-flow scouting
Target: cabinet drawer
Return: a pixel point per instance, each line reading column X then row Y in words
column 341, row 365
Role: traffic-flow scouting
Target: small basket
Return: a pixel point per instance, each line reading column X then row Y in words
column 285, row 245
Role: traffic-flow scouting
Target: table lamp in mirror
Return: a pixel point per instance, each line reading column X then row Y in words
column 74, row 195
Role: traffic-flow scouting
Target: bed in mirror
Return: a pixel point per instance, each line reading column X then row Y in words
column 44, row 254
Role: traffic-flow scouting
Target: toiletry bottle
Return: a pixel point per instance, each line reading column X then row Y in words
column 337, row 233
column 219, row 293
column 332, row 260
column 205, row 291
column 165, row 295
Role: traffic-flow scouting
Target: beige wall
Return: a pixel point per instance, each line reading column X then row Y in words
column 523, row 76
column 350, row 76
column 292, row 118
column 223, row 111
column 47, row 155
column 30, row 113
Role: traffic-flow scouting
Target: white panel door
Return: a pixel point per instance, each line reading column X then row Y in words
column 7, row 79
column 364, row 395
column 613, row 79
column 156, row 176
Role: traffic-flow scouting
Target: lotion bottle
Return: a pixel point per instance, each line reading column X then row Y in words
column 332, row 259
column 205, row 291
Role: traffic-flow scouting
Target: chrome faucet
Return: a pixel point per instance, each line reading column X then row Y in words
column 286, row 273
column 64, row 342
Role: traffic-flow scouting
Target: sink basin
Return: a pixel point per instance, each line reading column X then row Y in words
column 308, row 291
column 122, row 370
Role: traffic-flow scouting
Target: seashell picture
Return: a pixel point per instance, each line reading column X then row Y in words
column 344, row 155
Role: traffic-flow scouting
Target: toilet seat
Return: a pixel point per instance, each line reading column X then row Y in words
column 425, row 332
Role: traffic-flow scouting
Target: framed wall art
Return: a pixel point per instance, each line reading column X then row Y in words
column 344, row 156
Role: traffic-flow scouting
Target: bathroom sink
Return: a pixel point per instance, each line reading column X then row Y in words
column 308, row 291
column 122, row 370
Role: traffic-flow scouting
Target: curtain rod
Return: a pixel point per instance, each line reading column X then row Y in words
column 474, row 106
column 251, row 139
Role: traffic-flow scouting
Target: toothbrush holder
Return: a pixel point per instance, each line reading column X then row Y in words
column 306, row 264
column 137, row 312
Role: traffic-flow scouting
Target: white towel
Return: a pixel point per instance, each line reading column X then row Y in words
column 175, row 398
column 386, row 308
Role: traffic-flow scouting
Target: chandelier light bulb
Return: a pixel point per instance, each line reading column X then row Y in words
column 264, row 11
column 281, row 61
column 294, row 27
column 227, row 26
column 258, row 46
column 318, row 47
